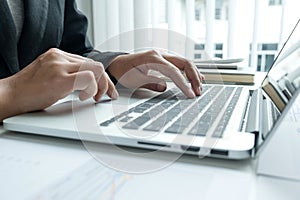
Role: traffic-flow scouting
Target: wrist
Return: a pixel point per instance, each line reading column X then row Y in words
column 114, row 69
column 8, row 103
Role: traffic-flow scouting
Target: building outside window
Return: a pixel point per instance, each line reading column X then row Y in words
column 219, row 50
column 266, row 55
column 275, row 2
column 218, row 13
column 220, row 10
column 215, row 22
column 199, row 50
column 267, row 50
column 198, row 14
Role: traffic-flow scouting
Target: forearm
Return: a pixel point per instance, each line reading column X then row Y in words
column 7, row 107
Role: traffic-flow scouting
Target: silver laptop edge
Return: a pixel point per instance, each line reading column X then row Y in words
column 241, row 140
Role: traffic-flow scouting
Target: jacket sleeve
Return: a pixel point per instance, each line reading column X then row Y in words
column 75, row 39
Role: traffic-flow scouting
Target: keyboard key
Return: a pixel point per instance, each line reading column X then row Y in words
column 156, row 125
column 156, row 111
column 175, row 129
column 112, row 120
column 167, row 107
column 139, row 110
column 218, row 133
column 142, row 119
column 131, row 126
column 167, row 104
column 146, row 105
column 205, row 122
column 106, row 123
column 136, row 123
column 163, row 120
column 200, row 129
column 126, row 119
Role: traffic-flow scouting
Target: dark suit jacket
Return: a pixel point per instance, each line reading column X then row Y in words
column 47, row 24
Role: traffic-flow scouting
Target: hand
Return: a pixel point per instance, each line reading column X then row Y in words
column 132, row 71
column 53, row 76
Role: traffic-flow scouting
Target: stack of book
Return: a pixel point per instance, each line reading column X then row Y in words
column 226, row 71
column 271, row 88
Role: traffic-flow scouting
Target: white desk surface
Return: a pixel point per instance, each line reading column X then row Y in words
column 32, row 165
column 29, row 164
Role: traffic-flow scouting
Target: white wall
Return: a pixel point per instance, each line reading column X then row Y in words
column 85, row 6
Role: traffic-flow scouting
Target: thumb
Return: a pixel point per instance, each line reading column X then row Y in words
column 154, row 83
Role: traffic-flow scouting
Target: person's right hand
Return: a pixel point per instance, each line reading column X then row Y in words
column 53, row 76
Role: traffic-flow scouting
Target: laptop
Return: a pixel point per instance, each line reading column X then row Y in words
column 226, row 121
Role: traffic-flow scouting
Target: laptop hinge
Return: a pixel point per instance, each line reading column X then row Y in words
column 269, row 115
column 253, row 125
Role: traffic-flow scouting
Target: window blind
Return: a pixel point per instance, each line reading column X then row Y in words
column 225, row 28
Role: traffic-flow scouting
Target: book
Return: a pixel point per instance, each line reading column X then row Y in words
column 218, row 63
column 221, row 61
column 271, row 88
column 215, row 66
column 244, row 77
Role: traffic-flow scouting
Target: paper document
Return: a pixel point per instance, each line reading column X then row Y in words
column 27, row 166
column 95, row 181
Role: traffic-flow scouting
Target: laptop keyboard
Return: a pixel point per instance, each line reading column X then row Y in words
column 172, row 113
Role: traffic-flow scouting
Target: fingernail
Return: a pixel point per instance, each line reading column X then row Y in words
column 115, row 94
column 161, row 87
column 191, row 94
column 83, row 96
column 198, row 91
column 97, row 98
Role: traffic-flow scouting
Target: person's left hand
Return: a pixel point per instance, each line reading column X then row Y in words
column 132, row 71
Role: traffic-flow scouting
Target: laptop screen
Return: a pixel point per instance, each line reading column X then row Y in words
column 283, row 79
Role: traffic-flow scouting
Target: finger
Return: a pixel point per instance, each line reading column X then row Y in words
column 157, row 62
column 95, row 67
column 190, row 70
column 110, row 90
column 202, row 78
column 154, row 83
column 86, row 83
column 76, row 67
column 194, row 79
column 102, row 83
column 169, row 70
column 72, row 67
column 193, row 76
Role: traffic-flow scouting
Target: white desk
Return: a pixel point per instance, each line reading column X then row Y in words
column 30, row 163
